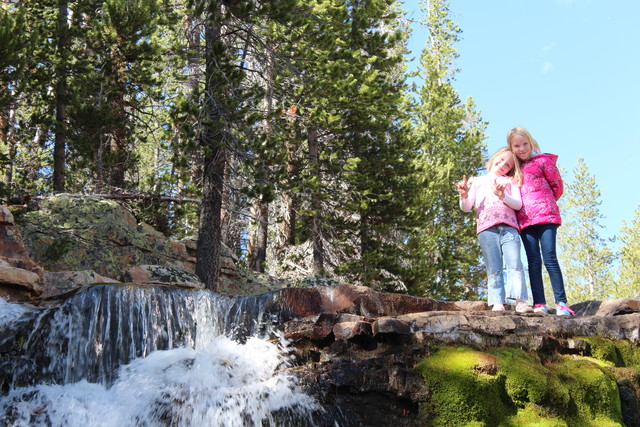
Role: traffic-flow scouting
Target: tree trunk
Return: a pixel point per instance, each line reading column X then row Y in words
column 209, row 235
column 213, row 139
column 60, row 142
column 288, row 225
column 194, row 64
column 316, row 206
column 257, row 246
column 259, row 238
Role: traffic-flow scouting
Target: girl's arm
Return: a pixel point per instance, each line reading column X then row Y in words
column 512, row 198
column 467, row 203
column 552, row 175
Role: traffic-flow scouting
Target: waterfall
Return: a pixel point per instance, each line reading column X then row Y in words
column 119, row 355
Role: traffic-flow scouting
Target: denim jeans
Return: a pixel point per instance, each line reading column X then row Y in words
column 539, row 243
column 500, row 245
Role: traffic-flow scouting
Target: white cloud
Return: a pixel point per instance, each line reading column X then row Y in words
column 547, row 66
column 546, row 49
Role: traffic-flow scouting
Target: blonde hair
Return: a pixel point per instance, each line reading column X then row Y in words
column 519, row 130
column 516, row 172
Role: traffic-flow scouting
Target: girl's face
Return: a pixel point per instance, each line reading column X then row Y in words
column 502, row 164
column 521, row 147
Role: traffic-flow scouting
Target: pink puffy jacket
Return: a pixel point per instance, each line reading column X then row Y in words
column 541, row 187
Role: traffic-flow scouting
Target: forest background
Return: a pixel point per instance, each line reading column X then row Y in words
column 292, row 132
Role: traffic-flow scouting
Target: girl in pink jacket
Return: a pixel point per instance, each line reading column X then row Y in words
column 539, row 217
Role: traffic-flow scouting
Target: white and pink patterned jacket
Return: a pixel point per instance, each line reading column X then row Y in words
column 490, row 210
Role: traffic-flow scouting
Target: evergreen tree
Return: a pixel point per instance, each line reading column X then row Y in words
column 120, row 84
column 228, row 97
column 584, row 256
column 345, row 153
column 443, row 253
column 628, row 284
column 13, row 48
column 33, row 104
column 375, row 149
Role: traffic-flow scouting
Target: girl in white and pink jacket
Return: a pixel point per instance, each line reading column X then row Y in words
column 496, row 198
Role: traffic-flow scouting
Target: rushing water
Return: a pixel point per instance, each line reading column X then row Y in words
column 147, row 356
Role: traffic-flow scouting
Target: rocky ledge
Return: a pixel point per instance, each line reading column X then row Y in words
column 392, row 360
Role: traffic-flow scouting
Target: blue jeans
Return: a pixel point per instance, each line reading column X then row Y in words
column 539, row 243
column 502, row 243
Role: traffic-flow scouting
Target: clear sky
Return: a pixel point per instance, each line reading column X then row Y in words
column 567, row 70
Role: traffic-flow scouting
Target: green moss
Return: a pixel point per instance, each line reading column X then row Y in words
column 461, row 394
column 595, row 399
column 528, row 381
column 616, row 353
column 509, row 387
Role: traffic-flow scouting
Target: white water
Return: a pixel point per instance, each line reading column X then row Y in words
column 10, row 312
column 219, row 382
column 223, row 384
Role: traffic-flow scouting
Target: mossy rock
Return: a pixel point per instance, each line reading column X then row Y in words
column 595, row 398
column 464, row 388
column 510, row 387
column 618, row 353
column 74, row 232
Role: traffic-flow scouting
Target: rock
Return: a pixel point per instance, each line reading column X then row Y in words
column 18, row 284
column 62, row 282
column 161, row 275
column 356, row 300
column 607, row 308
column 12, row 248
column 79, row 233
column 358, row 350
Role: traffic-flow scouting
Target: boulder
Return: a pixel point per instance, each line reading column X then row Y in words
column 18, row 284
column 57, row 283
column 79, row 233
column 12, row 248
column 158, row 274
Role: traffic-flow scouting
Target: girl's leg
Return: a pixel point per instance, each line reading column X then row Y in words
column 492, row 255
column 516, row 286
column 548, row 234
column 531, row 243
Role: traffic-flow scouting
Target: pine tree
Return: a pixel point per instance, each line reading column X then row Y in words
column 228, row 97
column 628, row 284
column 442, row 249
column 376, row 151
column 116, row 90
column 584, row 256
column 13, row 48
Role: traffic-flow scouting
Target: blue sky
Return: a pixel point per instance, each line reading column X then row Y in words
column 567, row 70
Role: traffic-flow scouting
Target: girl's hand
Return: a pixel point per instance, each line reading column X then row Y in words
column 498, row 190
column 463, row 187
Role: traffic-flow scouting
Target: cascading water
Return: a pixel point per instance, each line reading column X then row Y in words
column 146, row 356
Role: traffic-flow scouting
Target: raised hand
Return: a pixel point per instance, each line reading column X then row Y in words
column 498, row 189
column 463, row 187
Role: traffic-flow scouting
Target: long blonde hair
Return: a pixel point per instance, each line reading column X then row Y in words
column 519, row 130
column 516, row 172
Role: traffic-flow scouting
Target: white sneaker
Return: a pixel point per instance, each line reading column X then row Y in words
column 523, row 307
column 498, row 307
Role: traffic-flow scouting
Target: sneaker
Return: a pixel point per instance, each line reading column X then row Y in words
column 540, row 308
column 564, row 310
column 523, row 307
column 498, row 307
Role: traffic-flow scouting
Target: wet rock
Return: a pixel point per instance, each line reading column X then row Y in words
column 55, row 283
